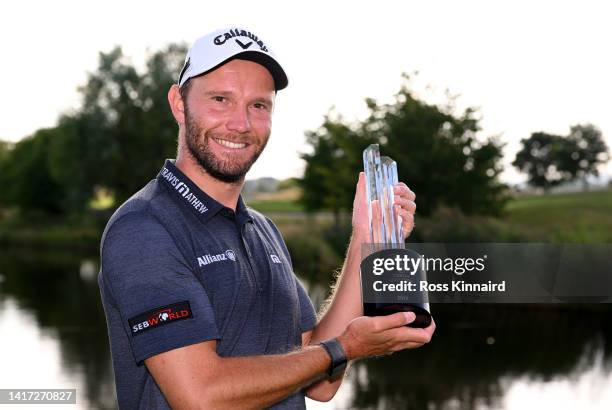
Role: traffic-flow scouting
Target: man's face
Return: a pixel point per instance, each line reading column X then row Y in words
column 228, row 118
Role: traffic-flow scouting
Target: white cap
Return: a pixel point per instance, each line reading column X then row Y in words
column 219, row 47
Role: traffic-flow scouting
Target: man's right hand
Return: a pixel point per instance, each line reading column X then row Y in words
column 383, row 335
column 195, row 376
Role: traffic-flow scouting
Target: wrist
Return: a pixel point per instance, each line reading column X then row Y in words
column 342, row 339
column 337, row 354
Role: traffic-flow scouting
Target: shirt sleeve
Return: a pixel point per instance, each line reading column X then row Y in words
column 161, row 303
column 308, row 318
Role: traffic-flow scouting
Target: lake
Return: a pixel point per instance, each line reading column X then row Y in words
column 53, row 335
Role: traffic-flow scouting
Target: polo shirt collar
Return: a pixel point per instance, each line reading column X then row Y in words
column 242, row 213
column 187, row 193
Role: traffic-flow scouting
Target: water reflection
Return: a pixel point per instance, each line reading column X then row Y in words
column 462, row 369
column 47, row 288
column 491, row 357
column 482, row 356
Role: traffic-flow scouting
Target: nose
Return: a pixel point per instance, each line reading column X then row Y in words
column 239, row 120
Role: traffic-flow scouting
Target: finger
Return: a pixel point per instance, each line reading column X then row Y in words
column 407, row 345
column 383, row 323
column 411, row 338
column 405, row 204
column 402, row 190
column 407, row 219
column 431, row 328
column 360, row 191
column 411, row 334
column 361, row 180
column 376, row 222
column 404, row 337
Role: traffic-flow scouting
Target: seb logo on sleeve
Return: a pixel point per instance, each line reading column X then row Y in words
column 160, row 316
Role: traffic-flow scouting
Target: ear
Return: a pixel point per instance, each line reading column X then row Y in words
column 177, row 105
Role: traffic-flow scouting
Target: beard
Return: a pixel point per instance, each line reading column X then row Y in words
column 228, row 169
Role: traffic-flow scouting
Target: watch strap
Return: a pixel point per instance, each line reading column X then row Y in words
column 336, row 353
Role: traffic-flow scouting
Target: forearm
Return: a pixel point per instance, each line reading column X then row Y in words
column 260, row 381
column 343, row 305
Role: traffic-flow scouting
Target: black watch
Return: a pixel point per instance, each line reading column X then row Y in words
column 338, row 356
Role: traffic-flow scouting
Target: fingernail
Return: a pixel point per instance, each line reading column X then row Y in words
column 410, row 316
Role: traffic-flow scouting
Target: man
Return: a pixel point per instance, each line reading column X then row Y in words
column 202, row 305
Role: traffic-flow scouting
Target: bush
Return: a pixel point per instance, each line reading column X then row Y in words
column 451, row 225
column 312, row 257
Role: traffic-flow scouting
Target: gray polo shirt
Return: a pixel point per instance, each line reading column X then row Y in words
column 179, row 268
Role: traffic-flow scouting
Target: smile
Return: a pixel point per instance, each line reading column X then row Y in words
column 229, row 144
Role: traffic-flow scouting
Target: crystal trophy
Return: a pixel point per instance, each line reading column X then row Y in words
column 387, row 241
column 381, row 176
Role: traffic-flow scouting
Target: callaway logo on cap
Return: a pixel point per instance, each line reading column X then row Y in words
column 219, row 47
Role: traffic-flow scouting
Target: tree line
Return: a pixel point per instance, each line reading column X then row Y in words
column 115, row 141
column 441, row 155
column 550, row 160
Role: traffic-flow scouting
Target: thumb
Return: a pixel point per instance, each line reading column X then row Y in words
column 361, row 184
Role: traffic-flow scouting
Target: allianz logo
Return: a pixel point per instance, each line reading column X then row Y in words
column 208, row 258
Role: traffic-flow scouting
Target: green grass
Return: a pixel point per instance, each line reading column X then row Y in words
column 581, row 217
column 584, row 217
column 276, row 205
column 56, row 234
column 573, row 217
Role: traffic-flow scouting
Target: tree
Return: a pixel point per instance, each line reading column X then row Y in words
column 5, row 148
column 541, row 157
column 331, row 173
column 587, row 151
column 439, row 155
column 126, row 116
column 115, row 140
column 75, row 162
column 25, row 177
column 550, row 160
column 437, row 151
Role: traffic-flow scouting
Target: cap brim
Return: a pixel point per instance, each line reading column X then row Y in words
column 280, row 78
column 278, row 74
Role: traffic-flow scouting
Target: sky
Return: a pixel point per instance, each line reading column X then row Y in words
column 529, row 66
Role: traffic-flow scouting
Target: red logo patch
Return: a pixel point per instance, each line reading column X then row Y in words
column 160, row 316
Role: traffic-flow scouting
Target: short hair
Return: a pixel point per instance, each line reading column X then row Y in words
column 184, row 90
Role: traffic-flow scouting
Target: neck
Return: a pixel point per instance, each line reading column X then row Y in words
column 225, row 193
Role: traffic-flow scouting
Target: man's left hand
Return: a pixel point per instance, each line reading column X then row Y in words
column 404, row 204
